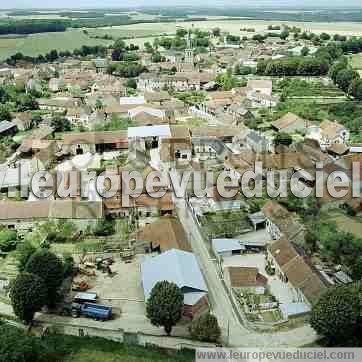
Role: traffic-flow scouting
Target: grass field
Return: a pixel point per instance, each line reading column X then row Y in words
column 74, row 38
column 98, row 349
column 346, row 223
column 356, row 61
column 43, row 43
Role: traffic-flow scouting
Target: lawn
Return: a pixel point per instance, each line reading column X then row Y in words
column 191, row 122
column 356, row 61
column 346, row 223
column 35, row 44
column 225, row 223
column 89, row 245
column 271, row 316
column 77, row 349
column 302, row 88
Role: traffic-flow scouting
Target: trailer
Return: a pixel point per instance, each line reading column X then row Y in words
column 89, row 297
column 96, row 311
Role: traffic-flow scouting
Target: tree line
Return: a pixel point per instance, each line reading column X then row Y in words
column 32, row 26
column 329, row 59
column 53, row 55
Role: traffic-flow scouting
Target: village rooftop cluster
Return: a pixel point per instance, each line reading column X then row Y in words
column 99, row 158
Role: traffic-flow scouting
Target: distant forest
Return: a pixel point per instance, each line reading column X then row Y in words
column 100, row 18
column 317, row 15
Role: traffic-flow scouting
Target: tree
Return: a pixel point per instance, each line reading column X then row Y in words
column 16, row 346
column 119, row 44
column 98, row 104
column 164, row 306
column 68, row 266
column 48, row 266
column 60, row 124
column 324, row 36
column 337, row 313
column 104, row 228
column 23, row 253
column 205, row 328
column 355, row 88
column 283, row 139
column 345, row 77
column 226, row 80
column 4, row 114
column 8, row 240
column 284, row 34
column 216, row 32
column 148, row 47
column 304, row 52
column 355, row 124
column 131, row 83
column 337, row 67
column 181, row 32
column 52, row 55
column 28, row 295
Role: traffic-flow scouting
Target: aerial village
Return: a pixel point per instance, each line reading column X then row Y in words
column 256, row 264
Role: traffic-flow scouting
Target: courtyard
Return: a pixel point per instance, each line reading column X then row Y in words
column 282, row 292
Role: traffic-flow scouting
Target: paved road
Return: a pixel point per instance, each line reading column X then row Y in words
column 234, row 332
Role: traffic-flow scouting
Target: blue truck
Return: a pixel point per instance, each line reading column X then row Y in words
column 98, row 312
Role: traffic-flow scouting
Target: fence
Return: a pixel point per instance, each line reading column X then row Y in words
column 122, row 336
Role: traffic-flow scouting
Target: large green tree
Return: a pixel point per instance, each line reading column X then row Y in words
column 205, row 328
column 355, row 89
column 337, row 314
column 28, row 295
column 283, row 139
column 23, row 253
column 345, row 77
column 16, row 346
column 164, row 306
column 60, row 124
column 50, row 268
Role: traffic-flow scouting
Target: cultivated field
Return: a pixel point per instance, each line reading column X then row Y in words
column 74, row 38
column 35, row 44
column 233, row 26
column 356, row 61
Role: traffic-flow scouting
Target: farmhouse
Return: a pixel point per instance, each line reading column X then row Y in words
column 80, row 143
column 280, row 222
column 295, row 270
column 328, row 133
column 244, row 278
column 290, row 123
column 23, row 215
column 165, row 234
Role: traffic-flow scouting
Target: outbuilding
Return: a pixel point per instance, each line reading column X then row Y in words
column 226, row 247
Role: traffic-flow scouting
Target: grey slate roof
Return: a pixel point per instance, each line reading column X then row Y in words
column 6, row 125
column 223, row 245
column 177, row 266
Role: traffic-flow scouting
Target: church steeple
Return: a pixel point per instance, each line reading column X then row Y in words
column 189, row 52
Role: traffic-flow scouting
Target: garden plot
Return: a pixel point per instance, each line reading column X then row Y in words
column 225, row 224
